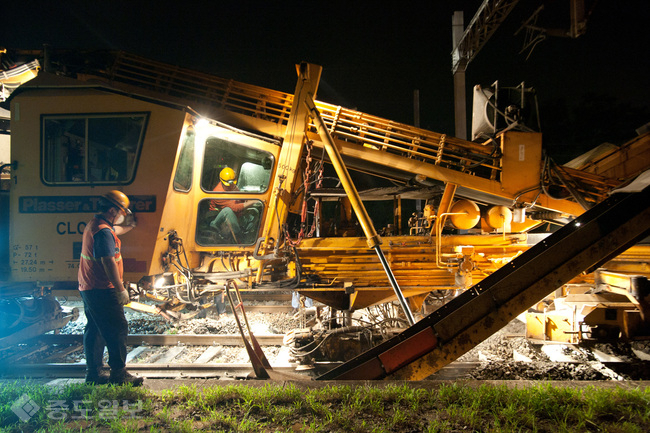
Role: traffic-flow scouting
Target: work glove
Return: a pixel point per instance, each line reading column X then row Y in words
column 123, row 297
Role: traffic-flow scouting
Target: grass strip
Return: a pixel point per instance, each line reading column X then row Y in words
column 30, row 407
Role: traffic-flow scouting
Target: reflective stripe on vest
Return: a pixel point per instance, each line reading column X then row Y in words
column 92, row 259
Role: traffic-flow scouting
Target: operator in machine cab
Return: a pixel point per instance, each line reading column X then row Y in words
column 227, row 221
column 103, row 292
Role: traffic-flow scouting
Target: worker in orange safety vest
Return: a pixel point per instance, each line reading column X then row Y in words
column 103, row 292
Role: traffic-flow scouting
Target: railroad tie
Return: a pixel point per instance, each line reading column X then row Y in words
column 169, row 355
column 207, row 356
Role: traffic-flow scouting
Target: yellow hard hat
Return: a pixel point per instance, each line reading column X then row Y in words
column 119, row 199
column 227, row 176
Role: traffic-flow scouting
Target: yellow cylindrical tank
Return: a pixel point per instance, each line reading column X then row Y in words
column 498, row 217
column 466, row 214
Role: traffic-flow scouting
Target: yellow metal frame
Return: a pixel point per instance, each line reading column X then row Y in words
column 506, row 167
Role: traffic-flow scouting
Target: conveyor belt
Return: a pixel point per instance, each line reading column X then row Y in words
column 598, row 235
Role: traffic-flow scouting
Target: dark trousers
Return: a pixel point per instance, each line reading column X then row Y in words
column 227, row 222
column 107, row 326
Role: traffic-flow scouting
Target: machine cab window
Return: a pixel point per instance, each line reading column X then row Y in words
column 235, row 175
column 185, row 167
column 92, row 148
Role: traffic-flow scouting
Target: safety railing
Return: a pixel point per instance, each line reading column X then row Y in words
column 205, row 91
column 344, row 124
column 410, row 142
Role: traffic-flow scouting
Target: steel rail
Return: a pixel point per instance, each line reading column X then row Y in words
column 78, row 370
column 453, row 371
column 168, row 340
column 247, row 295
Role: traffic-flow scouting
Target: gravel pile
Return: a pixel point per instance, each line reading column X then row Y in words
column 508, row 355
column 630, row 352
column 505, row 345
column 516, row 370
column 142, row 323
column 261, row 323
column 139, row 323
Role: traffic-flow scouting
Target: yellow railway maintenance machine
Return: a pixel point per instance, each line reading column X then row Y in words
column 163, row 134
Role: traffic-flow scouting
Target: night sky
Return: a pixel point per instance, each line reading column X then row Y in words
column 375, row 54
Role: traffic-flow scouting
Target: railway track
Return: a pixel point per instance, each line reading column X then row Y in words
column 164, row 352
column 161, row 352
column 148, row 370
column 169, row 340
column 221, row 356
column 242, row 371
column 165, row 360
column 206, row 353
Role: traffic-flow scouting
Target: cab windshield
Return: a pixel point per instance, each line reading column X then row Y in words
column 234, row 173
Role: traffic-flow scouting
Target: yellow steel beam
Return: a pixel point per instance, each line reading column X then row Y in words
column 291, row 153
column 353, row 195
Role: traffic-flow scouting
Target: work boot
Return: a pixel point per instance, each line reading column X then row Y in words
column 123, row 377
column 97, row 377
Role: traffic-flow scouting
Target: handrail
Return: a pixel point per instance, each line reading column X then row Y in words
column 344, row 124
column 205, row 92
